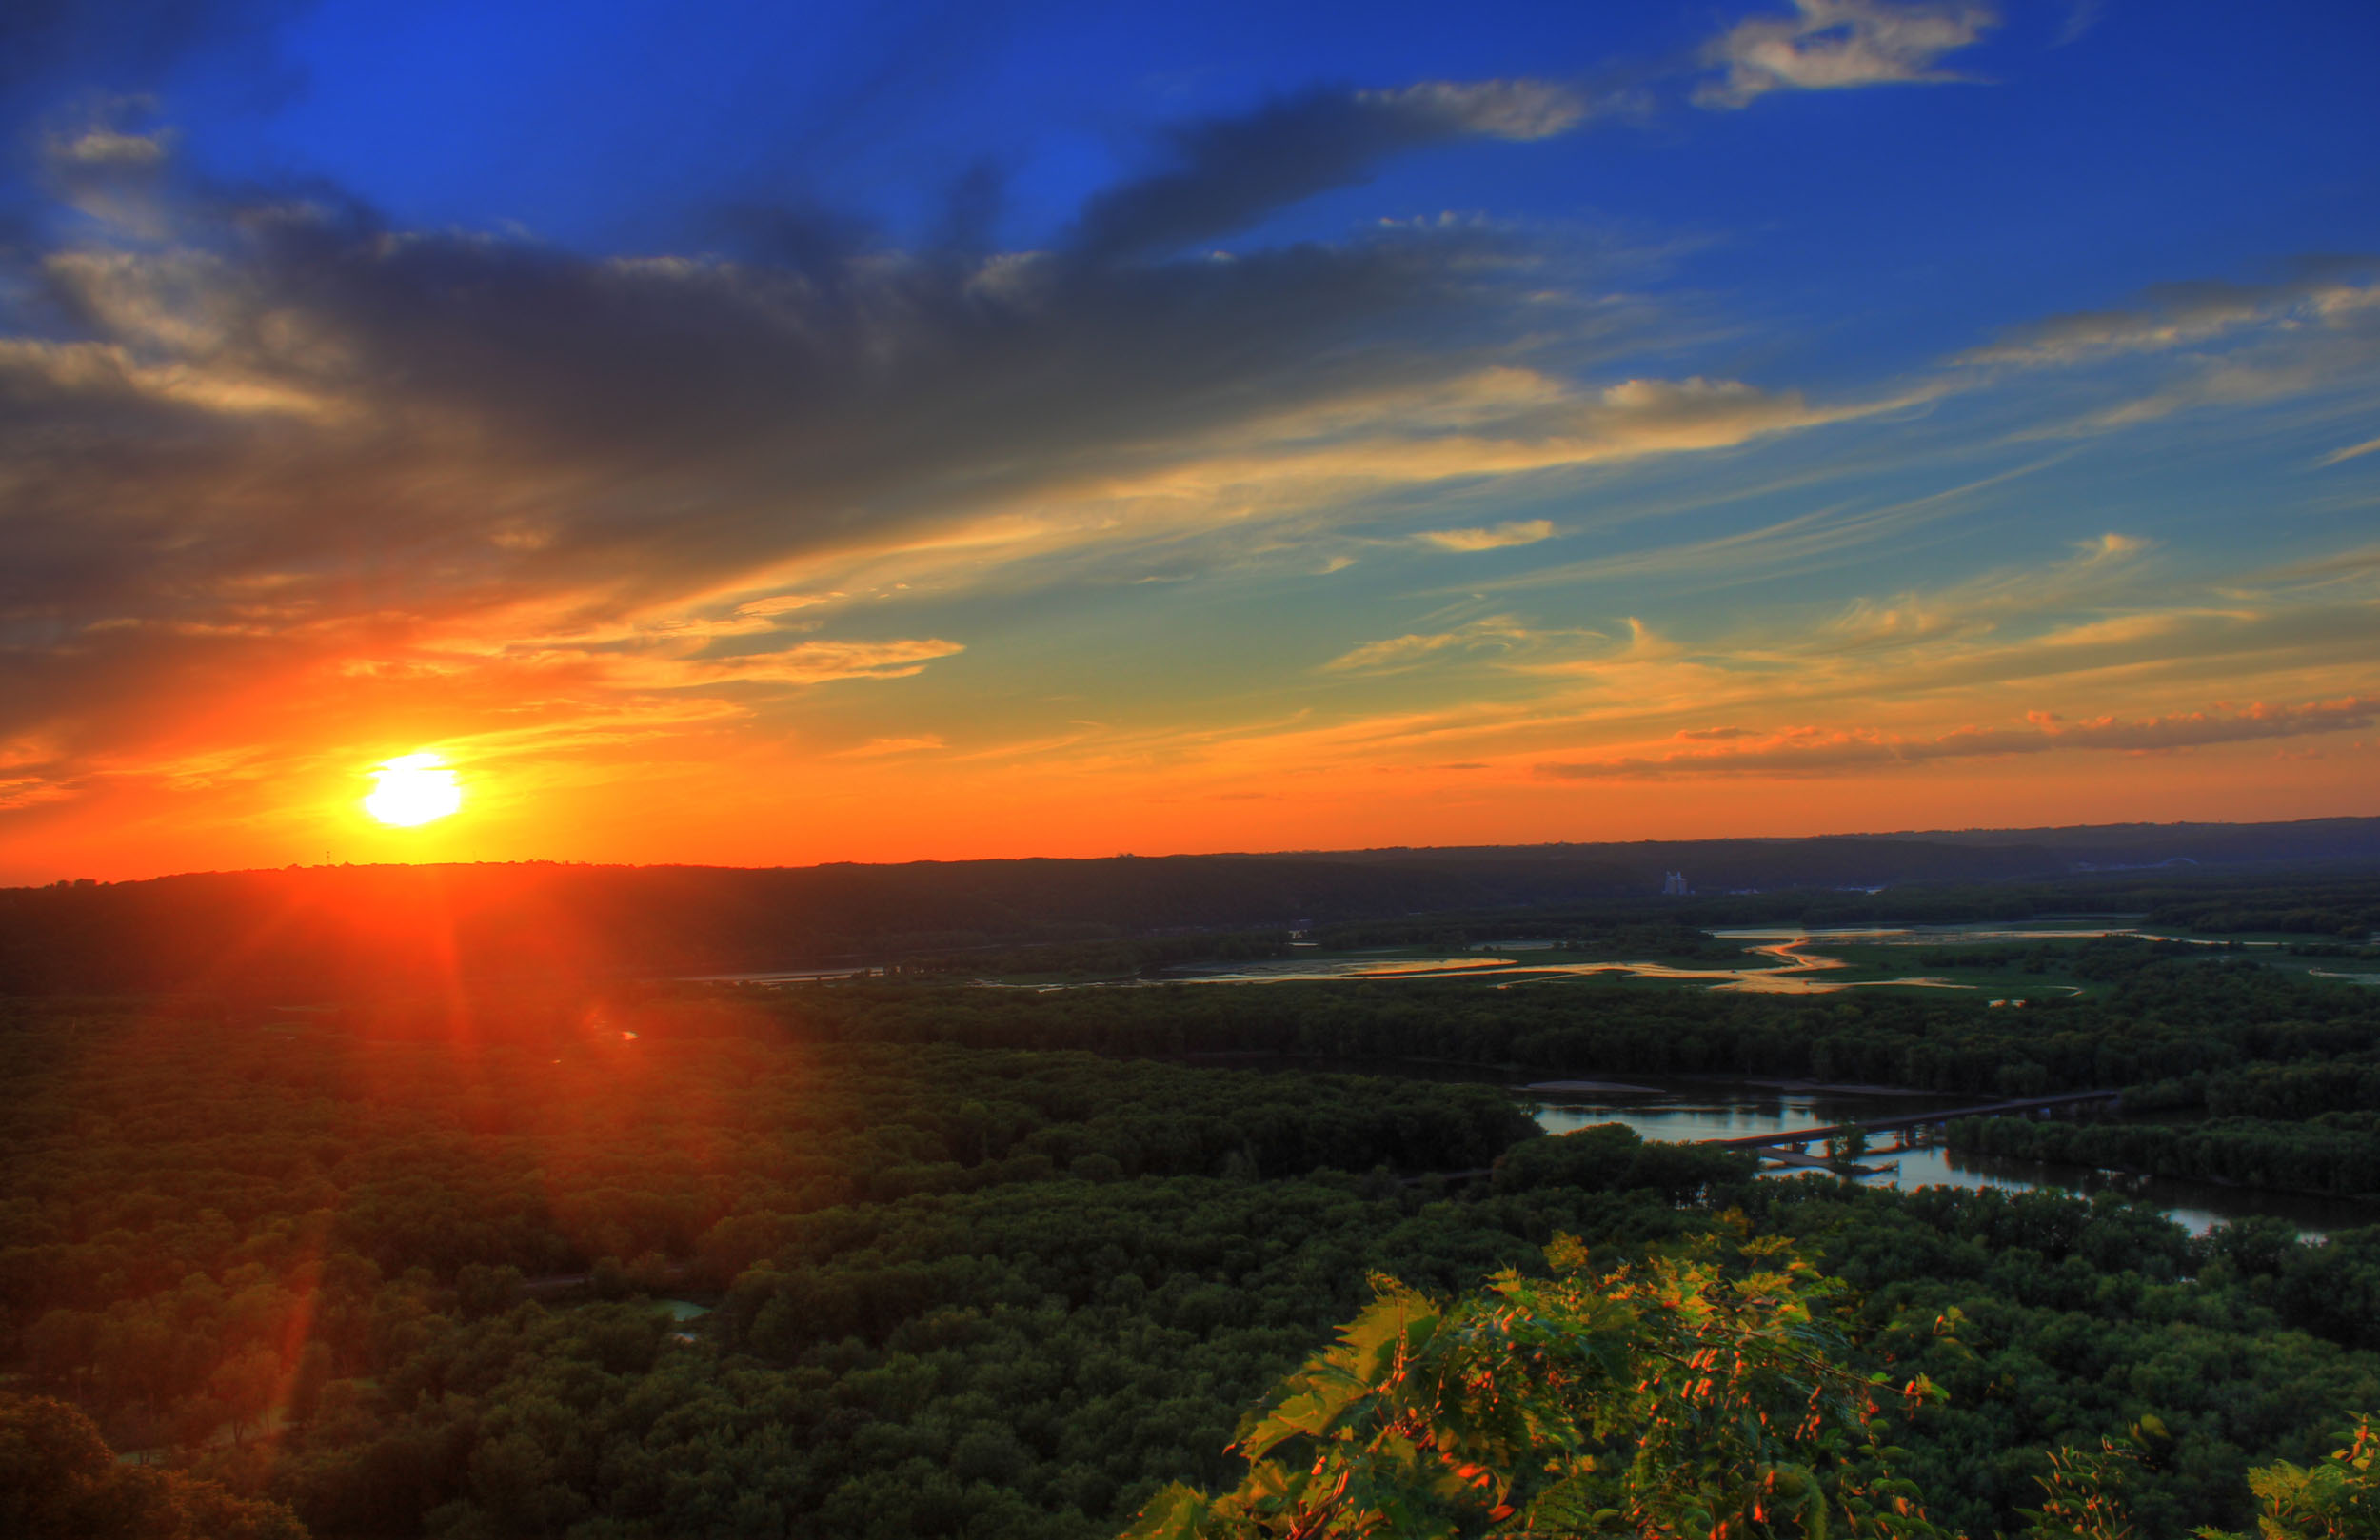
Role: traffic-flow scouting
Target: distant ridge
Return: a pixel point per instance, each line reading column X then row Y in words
column 2102, row 846
column 293, row 932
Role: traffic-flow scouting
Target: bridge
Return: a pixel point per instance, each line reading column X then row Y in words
column 1794, row 1139
column 1791, row 1141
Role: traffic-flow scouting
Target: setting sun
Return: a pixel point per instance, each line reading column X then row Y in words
column 413, row 788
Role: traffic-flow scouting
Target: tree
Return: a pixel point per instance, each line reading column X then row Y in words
column 2082, row 1497
column 1690, row 1394
column 306, row 1386
column 2338, row 1499
column 247, row 1387
column 59, row 1481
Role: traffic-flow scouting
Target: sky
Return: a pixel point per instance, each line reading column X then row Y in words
column 760, row 434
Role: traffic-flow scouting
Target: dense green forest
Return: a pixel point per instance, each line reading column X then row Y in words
column 2329, row 1152
column 984, row 1262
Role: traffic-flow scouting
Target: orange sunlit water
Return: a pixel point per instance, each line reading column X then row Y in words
column 413, row 789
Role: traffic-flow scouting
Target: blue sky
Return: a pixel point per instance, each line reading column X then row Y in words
column 2098, row 148
column 1180, row 428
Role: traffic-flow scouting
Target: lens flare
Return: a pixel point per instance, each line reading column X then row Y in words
column 413, row 788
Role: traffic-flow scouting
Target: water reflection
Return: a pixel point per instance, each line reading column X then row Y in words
column 1696, row 1111
column 1951, row 935
column 1788, row 966
column 1790, row 970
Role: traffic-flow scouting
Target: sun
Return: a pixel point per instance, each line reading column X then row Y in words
column 413, row 788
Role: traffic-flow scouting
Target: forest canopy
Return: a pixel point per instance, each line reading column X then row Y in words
column 634, row 1261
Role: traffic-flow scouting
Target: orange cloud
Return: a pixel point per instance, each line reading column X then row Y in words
column 1496, row 538
column 1819, row 751
column 731, row 553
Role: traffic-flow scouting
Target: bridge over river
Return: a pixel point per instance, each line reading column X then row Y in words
column 1786, row 1148
column 1795, row 1138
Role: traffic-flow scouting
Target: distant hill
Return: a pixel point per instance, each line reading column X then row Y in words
column 303, row 932
column 1883, row 859
column 330, row 927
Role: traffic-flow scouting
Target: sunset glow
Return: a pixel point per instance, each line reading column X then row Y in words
column 413, row 789
column 1162, row 438
column 811, row 769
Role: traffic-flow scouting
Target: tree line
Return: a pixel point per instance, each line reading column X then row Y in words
column 2165, row 1014
column 2336, row 1152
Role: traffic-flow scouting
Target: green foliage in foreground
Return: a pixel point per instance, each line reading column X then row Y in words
column 1695, row 1394
column 1680, row 1396
column 2082, row 1319
column 2337, row 1499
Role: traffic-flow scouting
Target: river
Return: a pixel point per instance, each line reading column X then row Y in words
column 1693, row 1109
column 1688, row 1108
column 1701, row 1109
column 1789, row 965
column 1697, row 1109
column 1789, row 970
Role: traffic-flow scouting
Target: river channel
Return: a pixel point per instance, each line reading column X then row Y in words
column 1788, row 971
column 1688, row 1110
column 1691, row 1110
column 1788, row 964
column 1694, row 1109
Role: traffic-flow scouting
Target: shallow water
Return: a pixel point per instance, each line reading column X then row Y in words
column 1791, row 971
column 1791, row 968
column 1949, row 934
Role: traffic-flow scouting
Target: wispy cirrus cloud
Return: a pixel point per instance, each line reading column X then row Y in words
column 1902, row 679
column 1269, row 486
column 53, row 52
column 1228, row 173
column 515, row 441
column 879, row 748
column 700, row 445
column 804, row 662
column 1835, row 45
column 2098, row 569
column 2210, row 344
column 645, row 426
column 1490, row 537
column 1499, row 421
column 31, row 791
column 281, row 471
column 1493, row 109
column 1831, row 750
column 1499, row 696
column 2329, row 293
column 1780, row 547
column 1496, row 634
